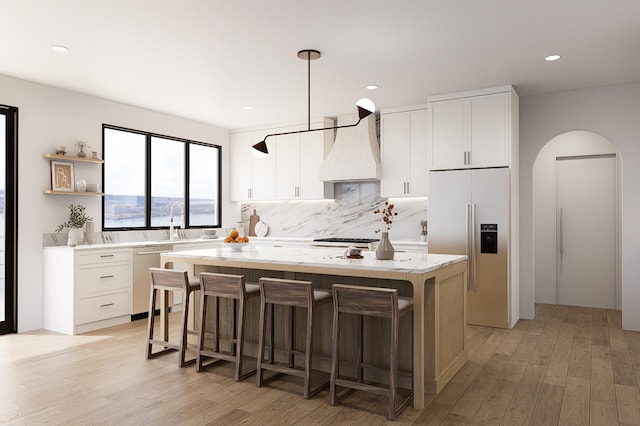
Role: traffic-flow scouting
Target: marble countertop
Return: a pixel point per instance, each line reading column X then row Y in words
column 259, row 241
column 322, row 257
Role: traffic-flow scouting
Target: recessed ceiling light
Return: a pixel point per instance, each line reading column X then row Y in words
column 552, row 58
column 60, row 48
column 372, row 87
column 247, row 107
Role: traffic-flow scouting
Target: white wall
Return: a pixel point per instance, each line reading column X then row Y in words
column 614, row 112
column 49, row 117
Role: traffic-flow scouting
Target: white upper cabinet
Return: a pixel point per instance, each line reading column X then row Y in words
column 403, row 140
column 264, row 169
column 473, row 129
column 289, row 172
column 240, row 166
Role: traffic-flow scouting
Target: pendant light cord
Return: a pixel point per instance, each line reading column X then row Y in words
column 309, row 90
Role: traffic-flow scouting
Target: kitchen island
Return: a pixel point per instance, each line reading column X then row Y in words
column 437, row 282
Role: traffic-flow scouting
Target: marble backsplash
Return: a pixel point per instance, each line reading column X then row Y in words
column 350, row 214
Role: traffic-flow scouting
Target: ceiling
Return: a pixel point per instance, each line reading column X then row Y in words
column 207, row 59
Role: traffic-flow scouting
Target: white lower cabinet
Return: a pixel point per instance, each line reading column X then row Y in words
column 86, row 289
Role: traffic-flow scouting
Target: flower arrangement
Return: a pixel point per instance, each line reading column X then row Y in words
column 77, row 218
column 387, row 214
column 81, row 145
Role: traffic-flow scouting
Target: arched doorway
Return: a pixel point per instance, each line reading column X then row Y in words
column 576, row 207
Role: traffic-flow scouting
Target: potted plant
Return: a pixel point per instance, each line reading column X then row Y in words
column 81, row 145
column 77, row 219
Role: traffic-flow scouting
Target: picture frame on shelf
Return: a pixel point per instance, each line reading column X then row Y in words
column 62, row 176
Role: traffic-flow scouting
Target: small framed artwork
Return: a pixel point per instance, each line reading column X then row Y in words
column 62, row 176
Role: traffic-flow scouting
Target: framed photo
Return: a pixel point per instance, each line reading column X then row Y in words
column 62, row 176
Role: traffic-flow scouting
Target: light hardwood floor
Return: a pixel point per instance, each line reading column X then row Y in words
column 568, row 366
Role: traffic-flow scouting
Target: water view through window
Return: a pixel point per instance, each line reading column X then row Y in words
column 137, row 162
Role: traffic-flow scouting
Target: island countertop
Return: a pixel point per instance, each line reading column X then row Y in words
column 317, row 257
column 438, row 282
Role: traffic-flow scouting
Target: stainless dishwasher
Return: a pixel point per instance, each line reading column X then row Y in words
column 143, row 259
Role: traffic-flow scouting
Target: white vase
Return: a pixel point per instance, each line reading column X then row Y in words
column 89, row 232
column 385, row 250
column 75, row 237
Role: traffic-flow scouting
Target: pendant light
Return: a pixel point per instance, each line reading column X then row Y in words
column 365, row 108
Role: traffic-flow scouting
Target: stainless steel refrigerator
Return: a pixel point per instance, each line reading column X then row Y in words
column 468, row 214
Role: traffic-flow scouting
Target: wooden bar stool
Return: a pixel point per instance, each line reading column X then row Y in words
column 170, row 280
column 294, row 294
column 377, row 302
column 230, row 287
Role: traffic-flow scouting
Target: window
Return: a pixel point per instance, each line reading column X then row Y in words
column 146, row 177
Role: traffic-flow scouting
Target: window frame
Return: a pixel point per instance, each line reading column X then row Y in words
column 147, row 195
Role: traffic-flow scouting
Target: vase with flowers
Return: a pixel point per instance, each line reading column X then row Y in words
column 77, row 219
column 385, row 250
column 82, row 145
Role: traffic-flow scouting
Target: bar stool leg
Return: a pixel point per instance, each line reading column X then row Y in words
column 233, row 330
column 335, row 357
column 183, row 332
column 201, row 332
column 393, row 367
column 151, row 321
column 308, row 355
column 239, row 338
column 291, row 344
column 360, row 349
column 261, row 338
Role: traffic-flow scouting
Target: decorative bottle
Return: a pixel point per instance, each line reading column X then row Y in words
column 385, row 250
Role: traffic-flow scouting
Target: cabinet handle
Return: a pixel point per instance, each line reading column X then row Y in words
column 408, row 189
column 106, row 255
column 106, row 276
column 469, row 158
column 106, row 304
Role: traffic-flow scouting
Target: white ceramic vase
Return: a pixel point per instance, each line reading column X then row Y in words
column 89, row 232
column 75, row 237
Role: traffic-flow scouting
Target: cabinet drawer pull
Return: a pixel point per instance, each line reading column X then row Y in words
column 106, row 255
column 106, row 304
column 106, row 276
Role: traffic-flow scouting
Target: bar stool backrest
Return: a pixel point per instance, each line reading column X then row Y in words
column 223, row 285
column 373, row 301
column 287, row 292
column 169, row 278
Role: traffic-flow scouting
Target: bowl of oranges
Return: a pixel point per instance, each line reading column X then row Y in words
column 234, row 241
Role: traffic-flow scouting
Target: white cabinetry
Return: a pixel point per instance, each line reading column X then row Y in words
column 473, row 129
column 290, row 171
column 298, row 158
column 251, row 178
column 403, row 140
column 86, row 290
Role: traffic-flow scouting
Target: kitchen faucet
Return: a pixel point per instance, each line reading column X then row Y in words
column 173, row 233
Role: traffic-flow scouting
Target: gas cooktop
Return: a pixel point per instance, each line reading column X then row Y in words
column 344, row 242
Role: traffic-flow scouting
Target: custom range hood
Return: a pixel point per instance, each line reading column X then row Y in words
column 355, row 154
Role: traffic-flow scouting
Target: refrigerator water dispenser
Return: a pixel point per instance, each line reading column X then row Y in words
column 489, row 238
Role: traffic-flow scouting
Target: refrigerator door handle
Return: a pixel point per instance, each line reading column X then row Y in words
column 473, row 246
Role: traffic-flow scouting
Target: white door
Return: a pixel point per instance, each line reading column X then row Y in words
column 586, row 231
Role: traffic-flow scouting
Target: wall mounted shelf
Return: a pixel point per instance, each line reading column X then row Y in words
column 72, row 158
column 51, row 192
